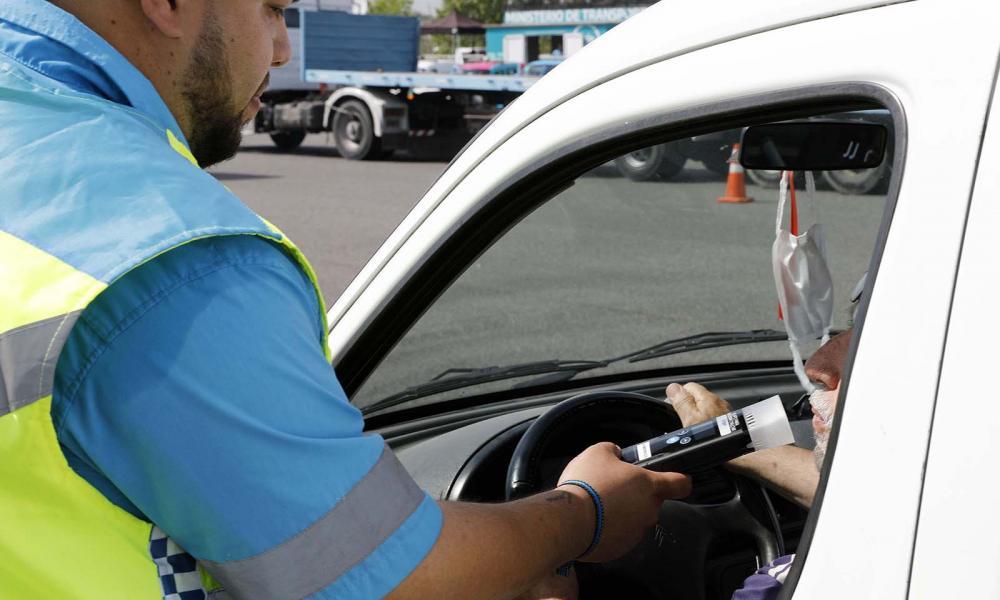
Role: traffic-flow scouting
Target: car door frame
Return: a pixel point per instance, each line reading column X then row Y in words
column 957, row 523
column 883, row 446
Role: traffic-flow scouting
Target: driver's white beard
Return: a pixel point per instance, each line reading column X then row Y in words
column 824, row 401
column 819, row 452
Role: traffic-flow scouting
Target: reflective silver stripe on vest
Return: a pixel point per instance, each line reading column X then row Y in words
column 28, row 358
column 368, row 515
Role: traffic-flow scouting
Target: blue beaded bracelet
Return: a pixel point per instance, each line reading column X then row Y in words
column 598, row 505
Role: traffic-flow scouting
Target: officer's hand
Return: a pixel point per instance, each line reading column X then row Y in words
column 631, row 496
column 695, row 404
column 555, row 586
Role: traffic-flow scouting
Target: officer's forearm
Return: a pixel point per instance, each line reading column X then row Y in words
column 497, row 551
column 789, row 470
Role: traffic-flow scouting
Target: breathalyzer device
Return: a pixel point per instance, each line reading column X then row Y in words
column 756, row 427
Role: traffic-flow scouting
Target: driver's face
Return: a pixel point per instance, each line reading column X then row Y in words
column 824, row 369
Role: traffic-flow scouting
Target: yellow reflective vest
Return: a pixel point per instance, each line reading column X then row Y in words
column 89, row 190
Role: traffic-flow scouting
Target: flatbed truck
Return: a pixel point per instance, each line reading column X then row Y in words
column 355, row 78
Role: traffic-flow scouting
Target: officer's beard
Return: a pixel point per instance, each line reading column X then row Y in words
column 215, row 130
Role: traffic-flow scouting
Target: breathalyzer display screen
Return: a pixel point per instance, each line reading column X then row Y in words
column 683, row 438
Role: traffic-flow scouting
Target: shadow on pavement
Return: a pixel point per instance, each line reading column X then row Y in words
column 302, row 150
column 331, row 151
column 223, row 176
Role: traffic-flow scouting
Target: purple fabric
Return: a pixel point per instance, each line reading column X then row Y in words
column 765, row 584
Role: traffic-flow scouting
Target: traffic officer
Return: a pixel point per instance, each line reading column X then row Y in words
column 169, row 422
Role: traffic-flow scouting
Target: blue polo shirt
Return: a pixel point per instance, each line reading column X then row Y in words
column 194, row 393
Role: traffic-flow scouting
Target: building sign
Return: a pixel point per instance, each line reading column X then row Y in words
column 610, row 14
column 522, row 5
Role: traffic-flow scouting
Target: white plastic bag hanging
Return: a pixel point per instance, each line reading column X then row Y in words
column 802, row 279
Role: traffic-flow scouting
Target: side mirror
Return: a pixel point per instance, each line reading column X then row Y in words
column 813, row 146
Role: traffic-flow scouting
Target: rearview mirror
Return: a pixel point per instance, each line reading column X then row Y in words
column 813, row 146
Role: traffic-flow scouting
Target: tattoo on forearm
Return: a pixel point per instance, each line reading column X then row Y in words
column 559, row 496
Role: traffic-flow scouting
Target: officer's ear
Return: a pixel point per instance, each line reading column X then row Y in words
column 173, row 18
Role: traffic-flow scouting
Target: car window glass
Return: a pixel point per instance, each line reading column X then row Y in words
column 656, row 245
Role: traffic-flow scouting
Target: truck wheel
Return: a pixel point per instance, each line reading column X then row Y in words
column 768, row 180
column 719, row 163
column 859, row 181
column 354, row 132
column 288, row 140
column 654, row 162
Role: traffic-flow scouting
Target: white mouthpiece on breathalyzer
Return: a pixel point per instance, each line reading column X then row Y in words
column 767, row 424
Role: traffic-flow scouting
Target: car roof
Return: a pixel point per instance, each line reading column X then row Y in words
column 662, row 31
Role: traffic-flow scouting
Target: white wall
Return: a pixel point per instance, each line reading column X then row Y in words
column 351, row 6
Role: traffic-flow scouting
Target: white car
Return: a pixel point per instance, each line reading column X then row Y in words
column 531, row 273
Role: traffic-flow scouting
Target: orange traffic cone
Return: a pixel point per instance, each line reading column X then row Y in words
column 736, row 188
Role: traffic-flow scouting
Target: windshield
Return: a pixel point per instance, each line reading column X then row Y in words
column 655, row 247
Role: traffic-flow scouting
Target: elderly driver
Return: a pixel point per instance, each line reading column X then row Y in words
column 791, row 471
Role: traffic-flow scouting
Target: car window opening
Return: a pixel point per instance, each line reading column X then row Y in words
column 655, row 266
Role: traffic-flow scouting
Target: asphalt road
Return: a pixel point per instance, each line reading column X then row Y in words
column 607, row 267
column 337, row 211
column 610, row 266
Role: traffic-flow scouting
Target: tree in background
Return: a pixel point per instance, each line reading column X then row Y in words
column 484, row 11
column 403, row 8
column 444, row 45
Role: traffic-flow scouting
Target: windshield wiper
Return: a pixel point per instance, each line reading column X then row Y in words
column 709, row 339
column 554, row 371
column 455, row 378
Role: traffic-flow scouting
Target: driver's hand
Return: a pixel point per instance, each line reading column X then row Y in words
column 631, row 496
column 695, row 404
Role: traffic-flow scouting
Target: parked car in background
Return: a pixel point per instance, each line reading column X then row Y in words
column 483, row 67
column 505, row 69
column 537, row 68
column 465, row 55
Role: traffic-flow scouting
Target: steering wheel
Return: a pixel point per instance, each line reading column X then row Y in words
column 677, row 557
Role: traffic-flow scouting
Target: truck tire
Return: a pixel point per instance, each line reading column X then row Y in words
column 354, row 132
column 768, row 180
column 288, row 140
column 719, row 163
column 655, row 162
column 860, row 181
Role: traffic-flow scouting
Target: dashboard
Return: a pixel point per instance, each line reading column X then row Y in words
column 464, row 455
